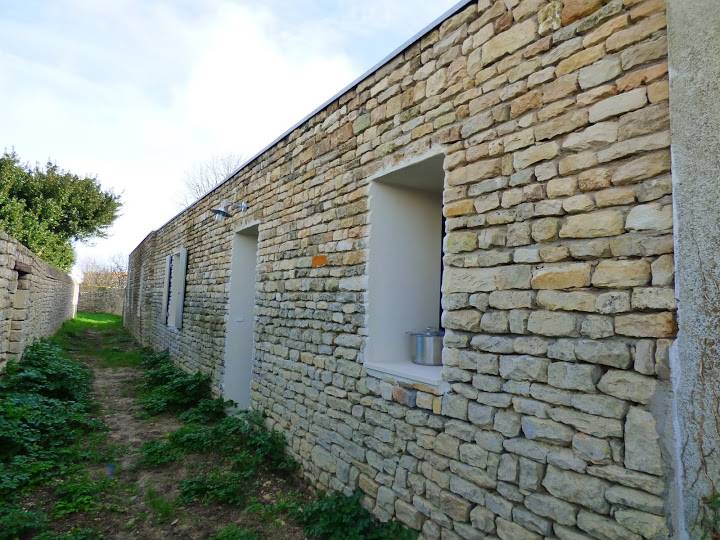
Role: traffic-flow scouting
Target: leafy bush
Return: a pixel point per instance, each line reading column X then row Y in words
column 337, row 517
column 74, row 534
column 44, row 411
column 16, row 522
column 167, row 388
column 233, row 532
column 206, row 411
column 710, row 517
column 79, row 494
column 218, row 486
column 242, row 438
column 45, row 371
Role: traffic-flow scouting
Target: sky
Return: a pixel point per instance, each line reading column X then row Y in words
column 138, row 92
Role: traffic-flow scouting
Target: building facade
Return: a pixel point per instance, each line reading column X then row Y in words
column 508, row 177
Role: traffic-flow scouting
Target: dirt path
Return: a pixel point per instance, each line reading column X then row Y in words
column 144, row 502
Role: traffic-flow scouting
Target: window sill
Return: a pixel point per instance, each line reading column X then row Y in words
column 408, row 372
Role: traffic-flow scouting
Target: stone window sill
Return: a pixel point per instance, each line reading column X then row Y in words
column 407, row 372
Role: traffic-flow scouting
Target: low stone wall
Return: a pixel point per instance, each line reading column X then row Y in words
column 35, row 298
column 101, row 300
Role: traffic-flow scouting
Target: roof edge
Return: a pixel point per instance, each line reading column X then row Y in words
column 405, row 45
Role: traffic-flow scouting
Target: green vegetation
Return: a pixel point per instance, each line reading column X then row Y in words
column 163, row 508
column 45, row 412
column 52, row 446
column 710, row 520
column 337, row 517
column 48, row 208
column 233, row 532
column 117, row 350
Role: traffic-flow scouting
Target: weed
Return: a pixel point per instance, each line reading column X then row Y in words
column 16, row 522
column 164, row 509
column 206, row 411
column 167, row 388
column 79, row 494
column 233, row 532
column 44, row 411
column 218, row 486
column 710, row 517
column 158, row 453
column 74, row 534
column 337, row 517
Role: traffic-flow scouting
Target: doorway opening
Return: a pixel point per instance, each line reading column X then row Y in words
column 240, row 324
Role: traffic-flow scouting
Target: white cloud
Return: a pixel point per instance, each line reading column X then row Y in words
column 135, row 92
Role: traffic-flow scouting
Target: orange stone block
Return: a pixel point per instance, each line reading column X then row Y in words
column 641, row 76
column 577, row 9
column 319, row 260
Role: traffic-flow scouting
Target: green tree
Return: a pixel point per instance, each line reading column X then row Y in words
column 47, row 209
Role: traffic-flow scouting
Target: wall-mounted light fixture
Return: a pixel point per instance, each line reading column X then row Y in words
column 226, row 209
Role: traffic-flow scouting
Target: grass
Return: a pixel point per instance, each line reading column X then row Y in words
column 223, row 468
column 118, row 348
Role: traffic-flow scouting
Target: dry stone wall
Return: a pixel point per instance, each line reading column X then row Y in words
column 101, row 299
column 557, row 293
column 35, row 298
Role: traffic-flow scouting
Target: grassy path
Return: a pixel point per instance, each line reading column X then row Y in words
column 106, row 440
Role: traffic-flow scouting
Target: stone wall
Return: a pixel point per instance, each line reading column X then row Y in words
column 101, row 299
column 558, row 296
column 35, row 298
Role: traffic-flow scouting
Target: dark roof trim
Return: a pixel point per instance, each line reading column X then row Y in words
column 437, row 22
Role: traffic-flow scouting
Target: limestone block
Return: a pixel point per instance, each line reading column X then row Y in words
column 591, row 448
column 562, row 124
column 657, row 325
column 540, row 152
column 507, row 530
column 601, row 71
column 634, row 498
column 523, row 368
column 561, row 276
column 642, row 451
column 593, row 225
column 617, row 105
column 509, row 41
column 546, row 430
column 566, row 301
column 475, row 172
column 544, row 229
column 643, row 167
column 549, row 323
column 597, row 426
column 627, row 385
column 486, row 279
column 653, row 298
column 621, row 273
column 547, row 506
column 607, row 353
column 571, row 376
column 634, row 146
column 593, row 137
column 603, row 527
column 663, row 271
column 649, row 217
column 642, row 523
column 459, row 241
column 599, row 404
column 408, row 515
column 577, row 488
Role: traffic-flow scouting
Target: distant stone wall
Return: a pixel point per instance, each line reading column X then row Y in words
column 101, row 300
column 35, row 298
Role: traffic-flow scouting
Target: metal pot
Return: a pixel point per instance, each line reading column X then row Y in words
column 426, row 346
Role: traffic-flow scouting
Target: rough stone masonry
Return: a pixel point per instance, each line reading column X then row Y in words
column 557, row 296
column 35, row 298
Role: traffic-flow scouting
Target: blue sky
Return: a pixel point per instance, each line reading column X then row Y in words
column 136, row 91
